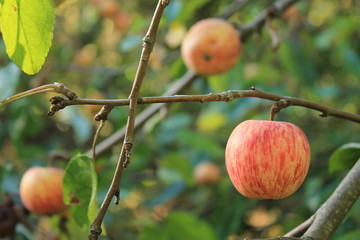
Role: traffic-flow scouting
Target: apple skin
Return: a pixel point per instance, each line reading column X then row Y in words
column 41, row 190
column 211, row 46
column 206, row 173
column 267, row 159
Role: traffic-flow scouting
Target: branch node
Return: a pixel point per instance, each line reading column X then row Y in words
column 95, row 232
column 57, row 103
column 140, row 100
column 229, row 96
column 164, row 3
column 61, row 88
column 324, row 114
column 282, row 103
column 103, row 113
column 147, row 40
column 127, row 152
column 117, row 197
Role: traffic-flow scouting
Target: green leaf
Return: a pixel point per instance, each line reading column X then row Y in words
column 344, row 157
column 27, row 29
column 182, row 225
column 178, row 226
column 93, row 205
column 80, row 182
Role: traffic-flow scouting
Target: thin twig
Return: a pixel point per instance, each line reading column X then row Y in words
column 228, row 96
column 301, row 229
column 102, row 123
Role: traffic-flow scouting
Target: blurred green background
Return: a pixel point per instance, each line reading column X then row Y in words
column 95, row 52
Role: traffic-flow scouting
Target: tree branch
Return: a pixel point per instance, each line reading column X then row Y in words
column 228, row 96
column 124, row 158
column 330, row 215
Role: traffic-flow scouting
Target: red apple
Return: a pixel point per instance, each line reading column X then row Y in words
column 206, row 173
column 41, row 190
column 211, row 46
column 267, row 159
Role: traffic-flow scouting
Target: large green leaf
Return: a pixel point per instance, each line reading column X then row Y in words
column 79, row 183
column 344, row 157
column 27, row 29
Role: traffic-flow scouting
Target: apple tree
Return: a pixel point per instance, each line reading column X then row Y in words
column 116, row 119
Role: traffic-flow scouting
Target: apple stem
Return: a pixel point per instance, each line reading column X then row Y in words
column 282, row 103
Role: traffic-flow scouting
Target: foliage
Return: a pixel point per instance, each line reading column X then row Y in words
column 95, row 53
column 27, row 32
column 344, row 157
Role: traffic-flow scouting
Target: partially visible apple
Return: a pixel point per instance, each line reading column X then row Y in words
column 211, row 46
column 267, row 159
column 41, row 190
column 206, row 173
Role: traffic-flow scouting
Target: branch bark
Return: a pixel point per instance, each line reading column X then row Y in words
column 330, row 215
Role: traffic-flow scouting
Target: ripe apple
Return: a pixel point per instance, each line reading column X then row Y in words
column 211, row 46
column 206, row 173
column 267, row 159
column 41, row 190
